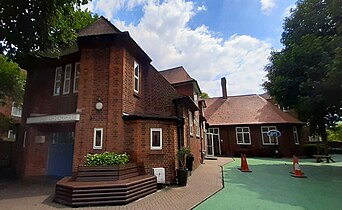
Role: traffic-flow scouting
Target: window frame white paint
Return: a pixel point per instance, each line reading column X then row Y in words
column 67, row 78
column 197, row 124
column 59, row 69
column 16, row 111
column 243, row 136
column 160, row 130
column 272, row 127
column 101, row 138
column 136, row 77
column 191, row 123
column 76, row 77
column 295, row 135
column 9, row 134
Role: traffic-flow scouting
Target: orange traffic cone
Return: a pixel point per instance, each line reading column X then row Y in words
column 295, row 160
column 297, row 172
column 244, row 165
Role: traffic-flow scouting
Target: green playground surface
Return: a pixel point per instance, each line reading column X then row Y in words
column 271, row 186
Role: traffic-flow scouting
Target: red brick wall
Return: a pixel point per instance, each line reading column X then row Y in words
column 286, row 146
column 40, row 83
column 137, row 142
column 186, row 89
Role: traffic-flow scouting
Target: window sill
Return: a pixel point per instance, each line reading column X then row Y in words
column 242, row 144
column 270, row 144
column 136, row 95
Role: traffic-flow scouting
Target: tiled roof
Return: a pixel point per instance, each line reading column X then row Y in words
column 176, row 75
column 99, row 27
column 247, row 109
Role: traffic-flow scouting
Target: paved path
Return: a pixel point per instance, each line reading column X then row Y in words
column 38, row 194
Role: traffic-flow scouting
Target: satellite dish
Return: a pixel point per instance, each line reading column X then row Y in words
column 274, row 133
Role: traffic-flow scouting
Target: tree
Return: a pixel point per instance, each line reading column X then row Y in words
column 38, row 25
column 204, row 95
column 306, row 75
column 12, row 81
column 335, row 133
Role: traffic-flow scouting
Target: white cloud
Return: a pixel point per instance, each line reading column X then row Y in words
column 267, row 6
column 110, row 7
column 164, row 34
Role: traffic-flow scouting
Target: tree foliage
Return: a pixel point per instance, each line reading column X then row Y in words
column 204, row 95
column 37, row 25
column 306, row 75
column 12, row 81
column 335, row 133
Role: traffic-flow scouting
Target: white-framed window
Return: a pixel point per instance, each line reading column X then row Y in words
column 295, row 135
column 191, row 123
column 197, row 124
column 136, row 77
column 268, row 140
column 156, row 135
column 67, row 79
column 11, row 134
column 16, row 110
column 58, row 81
column 243, row 135
column 98, row 138
column 196, row 99
column 76, row 77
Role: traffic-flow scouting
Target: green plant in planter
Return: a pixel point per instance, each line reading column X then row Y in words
column 106, row 159
column 182, row 173
column 181, row 155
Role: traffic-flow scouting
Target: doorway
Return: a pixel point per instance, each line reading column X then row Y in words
column 61, row 153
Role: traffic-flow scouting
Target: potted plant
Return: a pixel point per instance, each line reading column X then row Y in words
column 182, row 172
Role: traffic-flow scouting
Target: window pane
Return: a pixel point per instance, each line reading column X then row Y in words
column 155, row 138
column 273, row 140
column 98, row 138
column 272, row 128
column 264, row 129
column 216, row 130
column 246, row 137
column 265, row 137
column 136, row 84
column 239, row 136
column 239, row 129
column 245, row 130
column 136, row 71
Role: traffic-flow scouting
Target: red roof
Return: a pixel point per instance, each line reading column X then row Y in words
column 176, row 75
column 100, row 27
column 247, row 109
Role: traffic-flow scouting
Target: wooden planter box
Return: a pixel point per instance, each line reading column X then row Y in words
column 109, row 173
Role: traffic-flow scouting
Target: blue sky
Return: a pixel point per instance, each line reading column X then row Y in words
column 211, row 39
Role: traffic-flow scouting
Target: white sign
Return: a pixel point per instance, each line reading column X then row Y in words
column 53, row 118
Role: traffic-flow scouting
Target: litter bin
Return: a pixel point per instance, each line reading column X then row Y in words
column 189, row 162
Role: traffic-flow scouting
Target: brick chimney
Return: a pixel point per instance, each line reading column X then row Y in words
column 224, row 87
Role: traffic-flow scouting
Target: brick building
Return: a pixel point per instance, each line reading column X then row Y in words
column 102, row 95
column 239, row 124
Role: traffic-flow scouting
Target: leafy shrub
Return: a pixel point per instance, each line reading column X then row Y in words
column 106, row 159
column 311, row 149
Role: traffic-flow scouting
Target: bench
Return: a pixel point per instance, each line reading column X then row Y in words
column 320, row 157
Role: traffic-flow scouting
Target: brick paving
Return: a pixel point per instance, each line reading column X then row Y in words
column 38, row 194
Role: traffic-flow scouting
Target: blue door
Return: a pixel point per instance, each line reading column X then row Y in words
column 61, row 153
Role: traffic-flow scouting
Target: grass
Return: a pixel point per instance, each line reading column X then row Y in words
column 270, row 186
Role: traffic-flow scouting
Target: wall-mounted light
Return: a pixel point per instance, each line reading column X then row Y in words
column 99, row 105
